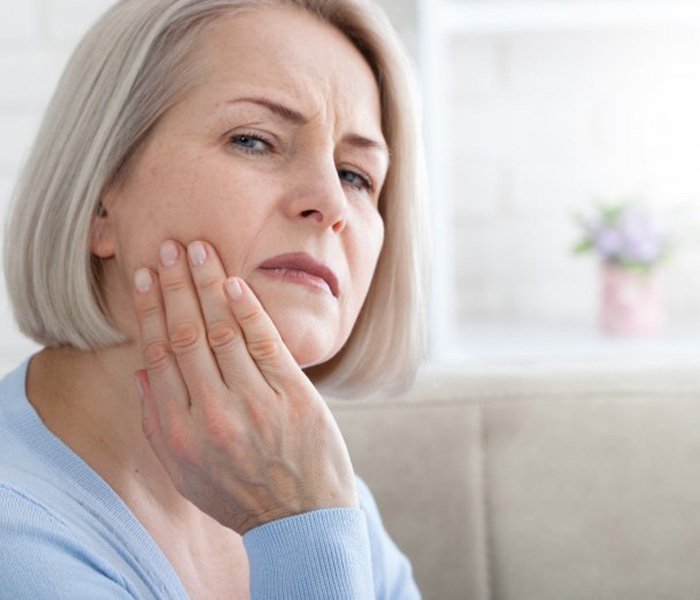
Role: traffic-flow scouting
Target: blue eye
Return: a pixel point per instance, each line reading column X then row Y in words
column 356, row 180
column 250, row 143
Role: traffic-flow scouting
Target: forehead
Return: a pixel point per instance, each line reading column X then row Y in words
column 293, row 51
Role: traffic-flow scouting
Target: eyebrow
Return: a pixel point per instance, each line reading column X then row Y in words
column 296, row 118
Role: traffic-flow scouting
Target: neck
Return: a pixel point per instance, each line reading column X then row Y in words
column 89, row 400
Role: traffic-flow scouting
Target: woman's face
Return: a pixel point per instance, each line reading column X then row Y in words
column 279, row 150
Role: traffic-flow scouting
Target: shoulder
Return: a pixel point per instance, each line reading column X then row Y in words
column 41, row 558
column 367, row 501
column 12, row 383
column 21, row 512
column 393, row 576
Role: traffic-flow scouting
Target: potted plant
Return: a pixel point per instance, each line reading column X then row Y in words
column 631, row 243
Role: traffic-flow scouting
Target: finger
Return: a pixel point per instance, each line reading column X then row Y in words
column 150, row 423
column 163, row 372
column 162, row 444
column 185, row 324
column 263, row 341
column 223, row 332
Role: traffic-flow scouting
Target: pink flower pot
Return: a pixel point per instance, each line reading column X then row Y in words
column 632, row 303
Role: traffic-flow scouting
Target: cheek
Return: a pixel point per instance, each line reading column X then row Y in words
column 372, row 242
column 367, row 248
column 165, row 193
column 187, row 198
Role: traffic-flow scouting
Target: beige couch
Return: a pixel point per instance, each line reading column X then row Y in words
column 539, row 484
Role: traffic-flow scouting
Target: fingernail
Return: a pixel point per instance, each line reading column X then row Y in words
column 139, row 387
column 168, row 253
column 197, row 253
column 234, row 288
column 143, row 280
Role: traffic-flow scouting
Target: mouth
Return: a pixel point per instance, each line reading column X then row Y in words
column 302, row 268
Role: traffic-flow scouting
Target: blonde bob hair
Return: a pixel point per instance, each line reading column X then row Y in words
column 130, row 68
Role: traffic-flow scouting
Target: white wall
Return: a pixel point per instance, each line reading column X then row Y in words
column 543, row 123
column 36, row 39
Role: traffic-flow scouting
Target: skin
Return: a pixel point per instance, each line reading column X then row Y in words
column 229, row 432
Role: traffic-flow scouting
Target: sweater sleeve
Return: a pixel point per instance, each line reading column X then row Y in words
column 40, row 560
column 328, row 554
column 319, row 555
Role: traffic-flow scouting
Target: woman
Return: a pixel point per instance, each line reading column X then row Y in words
column 222, row 200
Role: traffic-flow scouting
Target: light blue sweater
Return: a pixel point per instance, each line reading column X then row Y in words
column 66, row 535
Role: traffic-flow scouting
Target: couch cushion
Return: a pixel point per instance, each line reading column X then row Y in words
column 423, row 463
column 594, row 496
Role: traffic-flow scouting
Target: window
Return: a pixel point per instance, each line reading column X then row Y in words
column 533, row 111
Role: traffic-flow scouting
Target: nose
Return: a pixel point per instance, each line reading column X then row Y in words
column 319, row 198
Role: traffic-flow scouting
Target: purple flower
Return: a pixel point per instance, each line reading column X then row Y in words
column 642, row 250
column 609, row 242
column 627, row 235
column 636, row 225
column 641, row 241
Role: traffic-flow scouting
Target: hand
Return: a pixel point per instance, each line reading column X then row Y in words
column 240, row 429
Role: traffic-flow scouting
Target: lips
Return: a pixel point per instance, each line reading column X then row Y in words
column 302, row 267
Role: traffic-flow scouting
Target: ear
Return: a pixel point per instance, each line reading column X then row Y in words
column 102, row 229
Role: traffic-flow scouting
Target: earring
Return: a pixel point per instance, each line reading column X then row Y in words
column 100, row 211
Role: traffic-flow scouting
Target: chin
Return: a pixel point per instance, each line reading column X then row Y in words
column 311, row 338
column 309, row 345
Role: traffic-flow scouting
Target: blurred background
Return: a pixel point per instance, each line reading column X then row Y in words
column 534, row 111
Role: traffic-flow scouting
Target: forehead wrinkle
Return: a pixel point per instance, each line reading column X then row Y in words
column 331, row 89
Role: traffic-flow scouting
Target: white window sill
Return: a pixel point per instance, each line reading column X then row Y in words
column 519, row 347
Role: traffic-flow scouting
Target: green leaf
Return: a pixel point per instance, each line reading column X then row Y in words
column 583, row 246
